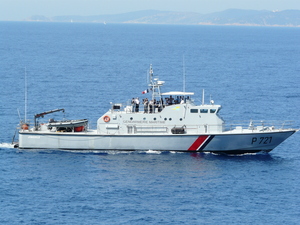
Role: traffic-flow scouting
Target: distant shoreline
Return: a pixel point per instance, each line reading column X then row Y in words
column 230, row 17
column 200, row 24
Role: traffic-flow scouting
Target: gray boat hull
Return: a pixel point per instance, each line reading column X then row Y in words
column 225, row 142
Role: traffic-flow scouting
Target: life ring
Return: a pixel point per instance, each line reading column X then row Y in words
column 106, row 119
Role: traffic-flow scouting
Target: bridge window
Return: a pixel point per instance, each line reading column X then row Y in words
column 116, row 106
column 203, row 110
column 194, row 110
column 212, row 110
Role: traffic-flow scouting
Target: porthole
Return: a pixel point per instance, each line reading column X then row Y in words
column 180, row 119
column 154, row 118
column 165, row 118
column 170, row 119
column 131, row 118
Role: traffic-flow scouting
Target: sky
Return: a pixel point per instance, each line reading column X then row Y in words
column 21, row 9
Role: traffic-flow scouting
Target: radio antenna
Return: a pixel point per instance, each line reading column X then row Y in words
column 183, row 73
column 19, row 114
column 25, row 119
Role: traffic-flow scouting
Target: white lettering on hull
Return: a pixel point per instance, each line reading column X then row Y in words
column 34, row 137
column 144, row 122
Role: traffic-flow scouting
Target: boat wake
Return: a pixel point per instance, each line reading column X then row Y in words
column 7, row 145
column 152, row 152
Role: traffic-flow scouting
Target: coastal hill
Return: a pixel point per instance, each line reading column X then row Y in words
column 228, row 17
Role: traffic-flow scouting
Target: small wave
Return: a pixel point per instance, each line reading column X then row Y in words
column 176, row 152
column 116, row 152
column 152, row 152
column 96, row 152
column 7, row 145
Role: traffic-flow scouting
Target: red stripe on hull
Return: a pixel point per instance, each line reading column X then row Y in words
column 197, row 144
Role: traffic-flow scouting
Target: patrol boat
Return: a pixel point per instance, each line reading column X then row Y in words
column 169, row 121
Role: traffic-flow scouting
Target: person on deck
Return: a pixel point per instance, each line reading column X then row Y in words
column 151, row 106
column 146, row 102
column 137, row 104
column 171, row 100
column 133, row 104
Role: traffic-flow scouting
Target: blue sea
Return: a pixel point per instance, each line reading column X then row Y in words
column 253, row 72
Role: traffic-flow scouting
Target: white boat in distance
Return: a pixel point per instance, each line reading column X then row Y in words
column 169, row 121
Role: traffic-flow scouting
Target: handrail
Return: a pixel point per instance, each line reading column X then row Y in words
column 259, row 124
column 234, row 126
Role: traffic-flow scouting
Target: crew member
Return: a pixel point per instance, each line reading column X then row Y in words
column 137, row 104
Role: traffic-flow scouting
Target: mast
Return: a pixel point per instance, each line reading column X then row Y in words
column 151, row 73
column 25, row 102
column 155, row 85
column 183, row 74
column 151, row 83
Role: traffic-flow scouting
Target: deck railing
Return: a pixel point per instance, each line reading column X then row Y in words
column 258, row 125
column 234, row 126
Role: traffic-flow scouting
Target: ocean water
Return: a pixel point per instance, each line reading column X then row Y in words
column 253, row 72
